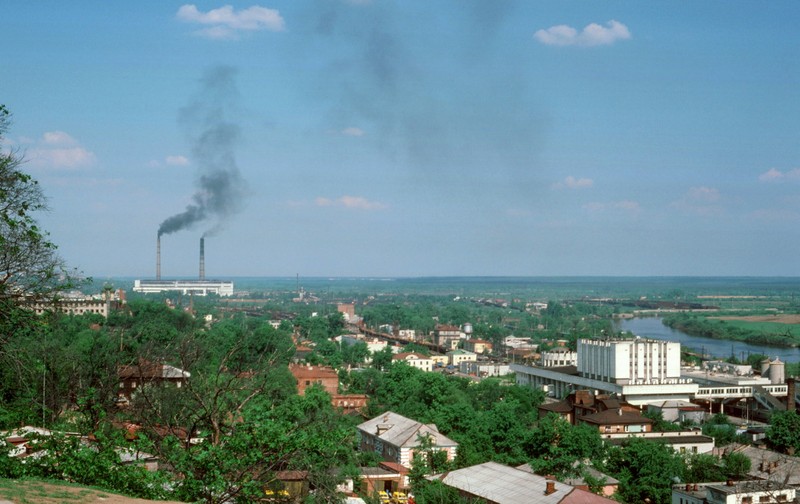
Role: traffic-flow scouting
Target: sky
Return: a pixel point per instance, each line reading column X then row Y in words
column 411, row 138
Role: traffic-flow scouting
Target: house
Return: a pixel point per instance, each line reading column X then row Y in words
column 439, row 360
column 609, row 484
column 417, row 360
column 350, row 403
column 308, row 375
column 499, row 484
column 618, row 421
column 686, row 441
column 678, row 411
column 395, row 438
column 734, row 492
column 582, row 403
column 478, row 346
column 135, row 375
column 447, row 336
column 348, row 311
column 484, row 369
column 388, row 477
column 407, row 334
column 456, row 357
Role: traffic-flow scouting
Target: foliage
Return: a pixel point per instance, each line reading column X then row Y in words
column 557, row 447
column 97, row 463
column 721, row 429
column 645, row 469
column 30, row 269
column 783, row 432
column 659, row 424
column 427, row 460
column 754, row 333
column 735, row 465
column 701, row 467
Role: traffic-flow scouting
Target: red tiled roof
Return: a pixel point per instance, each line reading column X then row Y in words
column 303, row 371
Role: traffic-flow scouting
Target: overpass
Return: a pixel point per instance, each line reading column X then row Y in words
column 741, row 392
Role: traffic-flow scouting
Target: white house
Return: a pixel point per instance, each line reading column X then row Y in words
column 395, row 438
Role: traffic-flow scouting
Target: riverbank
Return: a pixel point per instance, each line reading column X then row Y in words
column 774, row 333
column 652, row 327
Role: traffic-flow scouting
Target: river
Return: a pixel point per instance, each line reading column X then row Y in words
column 651, row 327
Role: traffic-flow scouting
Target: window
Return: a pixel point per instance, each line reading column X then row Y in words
column 747, row 500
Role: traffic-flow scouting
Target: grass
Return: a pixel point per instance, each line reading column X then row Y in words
column 34, row 491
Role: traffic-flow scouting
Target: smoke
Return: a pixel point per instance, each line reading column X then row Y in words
column 212, row 136
column 445, row 131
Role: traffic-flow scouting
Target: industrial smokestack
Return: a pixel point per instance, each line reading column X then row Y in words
column 202, row 258
column 158, row 257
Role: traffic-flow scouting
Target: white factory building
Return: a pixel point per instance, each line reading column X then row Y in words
column 640, row 370
column 197, row 287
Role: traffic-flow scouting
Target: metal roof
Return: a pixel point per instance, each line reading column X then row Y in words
column 504, row 485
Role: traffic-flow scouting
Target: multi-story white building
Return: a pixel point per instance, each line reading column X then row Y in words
column 640, row 370
column 630, row 361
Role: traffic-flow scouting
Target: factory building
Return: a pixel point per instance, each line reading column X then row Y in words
column 197, row 287
column 200, row 287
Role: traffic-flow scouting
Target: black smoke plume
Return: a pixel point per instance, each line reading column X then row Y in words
column 212, row 136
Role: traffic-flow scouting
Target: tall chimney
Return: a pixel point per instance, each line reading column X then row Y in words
column 791, row 391
column 158, row 258
column 202, row 258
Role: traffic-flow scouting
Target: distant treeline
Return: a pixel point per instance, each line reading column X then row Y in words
column 698, row 325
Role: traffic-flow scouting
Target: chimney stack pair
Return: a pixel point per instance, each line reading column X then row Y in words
column 202, row 258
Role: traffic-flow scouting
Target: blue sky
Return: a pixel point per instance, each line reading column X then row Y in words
column 389, row 138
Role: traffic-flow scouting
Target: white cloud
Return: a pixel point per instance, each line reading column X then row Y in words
column 356, row 202
column 57, row 149
column 226, row 22
column 177, row 160
column 775, row 175
column 702, row 193
column 592, row 35
column 571, row 182
column 627, row 206
column 57, row 138
column 700, row 200
column 353, row 131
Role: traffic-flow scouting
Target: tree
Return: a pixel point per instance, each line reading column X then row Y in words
column 30, row 269
column 784, row 431
column 703, row 467
column 735, row 465
column 646, row 470
column 557, row 447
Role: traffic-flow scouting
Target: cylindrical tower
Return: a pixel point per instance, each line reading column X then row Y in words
column 202, row 258
column 158, row 258
column 777, row 372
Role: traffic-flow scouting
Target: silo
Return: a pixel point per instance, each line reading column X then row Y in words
column 765, row 367
column 777, row 372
